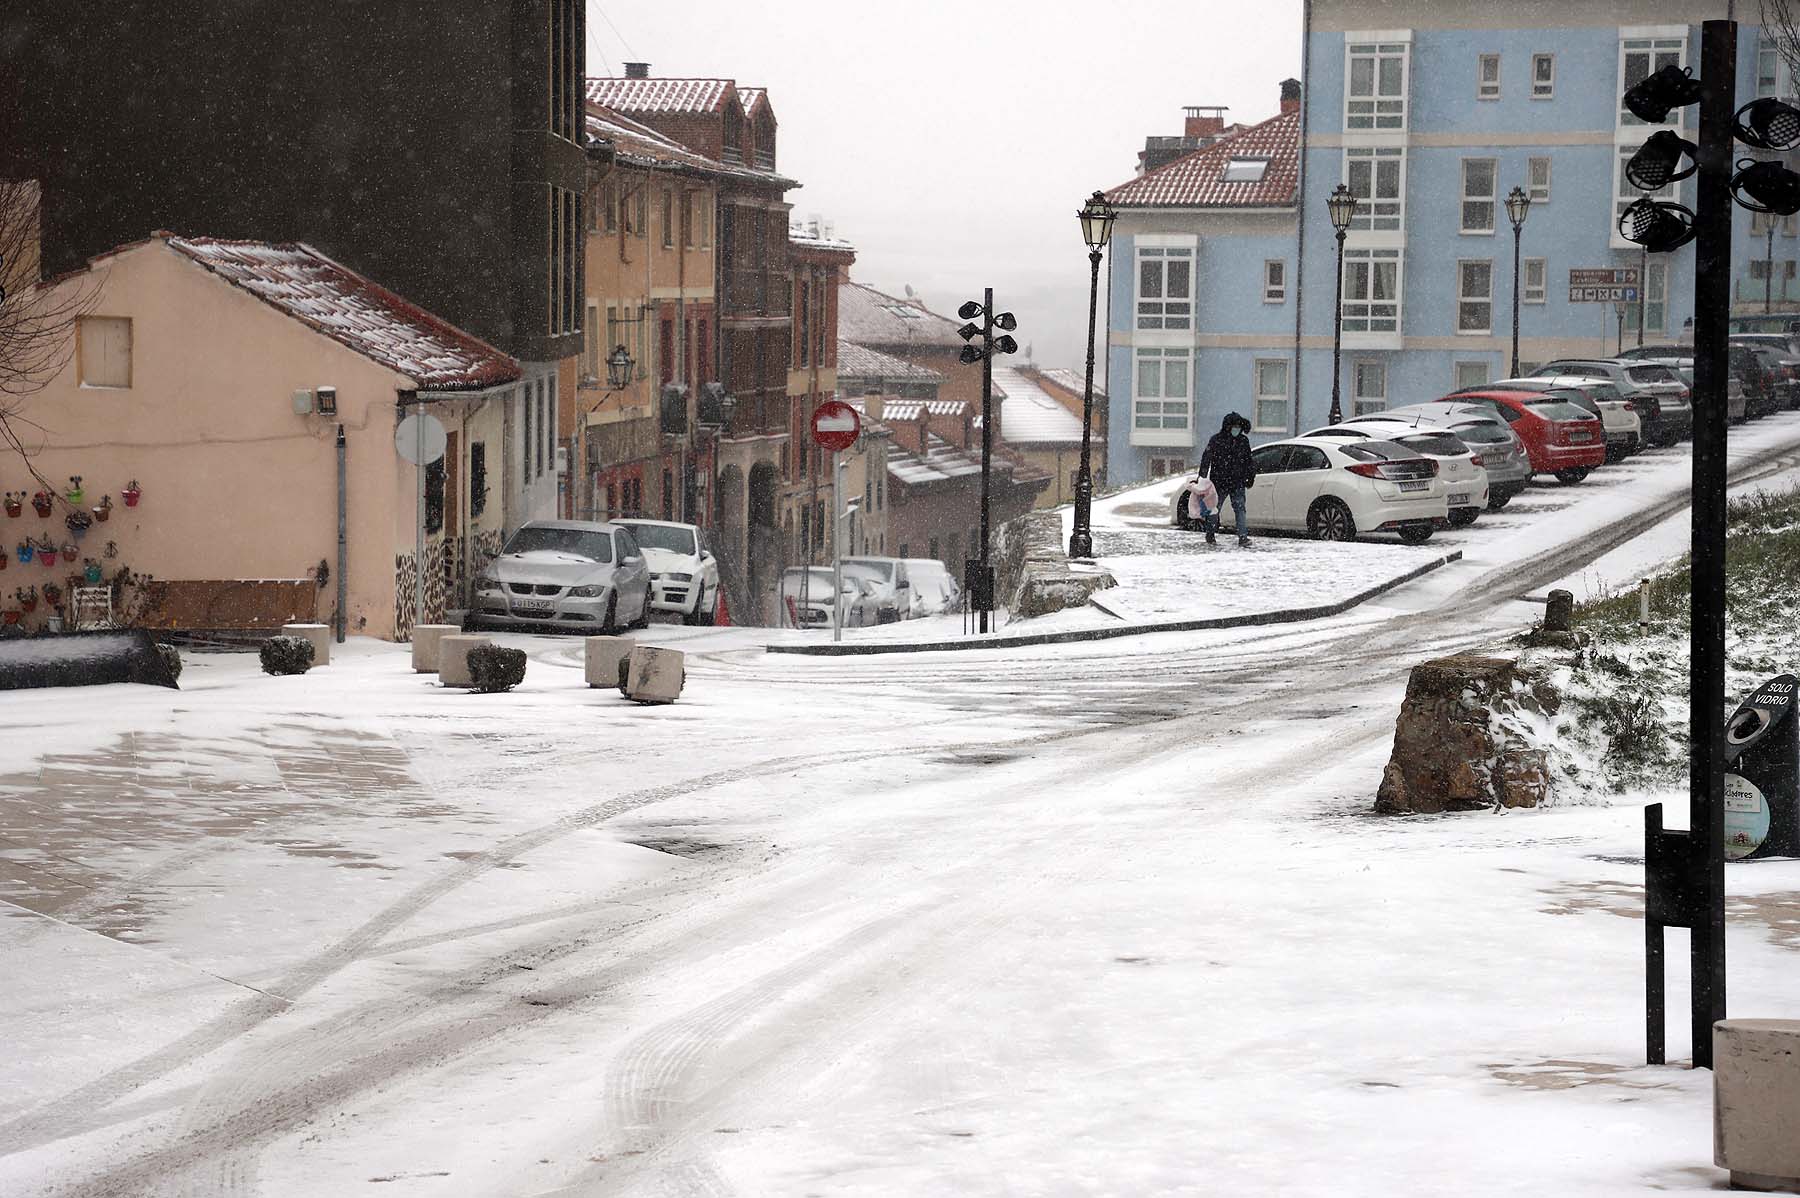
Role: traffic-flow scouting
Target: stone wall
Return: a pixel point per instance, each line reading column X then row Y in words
column 1032, row 573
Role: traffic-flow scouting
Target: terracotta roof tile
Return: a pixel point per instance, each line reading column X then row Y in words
column 661, row 95
column 1195, row 179
column 353, row 311
column 860, row 362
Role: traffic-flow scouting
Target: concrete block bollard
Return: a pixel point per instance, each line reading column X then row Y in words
column 425, row 638
column 1559, row 612
column 453, row 658
column 656, row 675
column 1756, row 1102
column 318, row 634
column 604, row 653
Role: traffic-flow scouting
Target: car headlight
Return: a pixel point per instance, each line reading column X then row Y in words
column 586, row 592
column 486, row 582
column 679, row 577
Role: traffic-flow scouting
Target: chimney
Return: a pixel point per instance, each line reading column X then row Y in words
column 1290, row 95
column 1204, row 121
column 637, row 70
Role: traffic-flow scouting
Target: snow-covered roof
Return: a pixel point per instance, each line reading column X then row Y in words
column 637, row 144
column 1030, row 416
column 694, row 96
column 1198, row 179
column 1075, row 380
column 812, row 234
column 860, row 362
column 896, row 409
column 750, row 97
column 871, row 317
column 941, row 461
column 353, row 311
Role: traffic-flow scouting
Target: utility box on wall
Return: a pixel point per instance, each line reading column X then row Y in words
column 1762, row 774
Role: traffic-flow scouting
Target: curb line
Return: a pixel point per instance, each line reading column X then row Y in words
column 1109, row 632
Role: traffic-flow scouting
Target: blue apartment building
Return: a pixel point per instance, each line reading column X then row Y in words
column 1223, row 260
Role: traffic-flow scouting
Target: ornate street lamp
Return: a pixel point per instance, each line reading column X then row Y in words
column 1342, row 206
column 1097, row 218
column 1518, row 204
column 619, row 365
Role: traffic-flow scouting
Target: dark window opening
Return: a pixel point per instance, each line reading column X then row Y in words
column 434, row 497
column 477, row 479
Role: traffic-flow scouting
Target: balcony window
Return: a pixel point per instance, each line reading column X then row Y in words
column 1377, row 178
column 1375, row 89
column 1639, row 58
column 1165, row 287
column 1271, row 395
column 1475, row 296
column 1371, row 291
column 1161, row 397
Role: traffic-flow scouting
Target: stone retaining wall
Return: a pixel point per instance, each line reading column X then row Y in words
column 1033, row 575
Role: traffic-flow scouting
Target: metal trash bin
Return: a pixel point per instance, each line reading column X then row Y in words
column 1762, row 774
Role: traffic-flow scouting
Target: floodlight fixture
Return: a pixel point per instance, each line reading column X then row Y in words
column 1005, row 322
column 1768, row 124
column 1653, row 97
column 1766, row 187
column 1005, row 344
column 969, row 330
column 1658, row 225
column 1657, row 162
column 970, row 353
column 969, row 311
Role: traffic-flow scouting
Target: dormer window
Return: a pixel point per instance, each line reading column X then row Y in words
column 1244, row 170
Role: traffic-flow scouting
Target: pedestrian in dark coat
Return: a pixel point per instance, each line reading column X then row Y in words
column 1228, row 463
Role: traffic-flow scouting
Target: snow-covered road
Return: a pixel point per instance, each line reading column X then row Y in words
column 1084, row 919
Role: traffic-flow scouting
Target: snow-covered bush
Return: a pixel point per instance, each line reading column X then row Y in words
column 493, row 669
column 286, row 655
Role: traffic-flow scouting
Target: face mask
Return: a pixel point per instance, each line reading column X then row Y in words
column 1239, row 431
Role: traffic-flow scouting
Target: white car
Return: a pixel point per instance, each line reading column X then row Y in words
column 1335, row 488
column 805, row 598
column 934, row 590
column 684, row 575
column 564, row 574
column 893, row 584
column 1465, row 480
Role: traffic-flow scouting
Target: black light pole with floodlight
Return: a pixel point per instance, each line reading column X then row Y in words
column 1342, row 206
column 1518, row 204
column 1097, row 218
column 618, row 376
column 978, row 575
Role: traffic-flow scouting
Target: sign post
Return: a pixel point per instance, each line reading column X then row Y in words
column 421, row 440
column 1604, row 285
column 835, row 427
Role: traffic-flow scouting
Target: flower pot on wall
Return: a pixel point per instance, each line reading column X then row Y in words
column 92, row 574
column 25, row 552
column 103, row 511
column 9, row 617
column 15, row 507
column 132, row 493
column 41, row 504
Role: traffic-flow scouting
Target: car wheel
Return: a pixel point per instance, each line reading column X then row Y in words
column 1462, row 517
column 609, row 622
column 643, row 616
column 707, row 610
column 1497, row 500
column 1416, row 534
column 1183, row 520
column 1330, row 520
column 1572, row 475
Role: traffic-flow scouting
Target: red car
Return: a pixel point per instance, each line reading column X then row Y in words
column 1560, row 438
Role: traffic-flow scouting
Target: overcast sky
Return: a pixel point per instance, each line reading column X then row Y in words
column 953, row 143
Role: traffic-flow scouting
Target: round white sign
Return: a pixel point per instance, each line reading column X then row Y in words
column 421, row 439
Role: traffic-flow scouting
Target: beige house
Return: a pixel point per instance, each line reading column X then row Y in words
column 220, row 377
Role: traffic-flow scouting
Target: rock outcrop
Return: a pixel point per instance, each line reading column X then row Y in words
column 1452, row 747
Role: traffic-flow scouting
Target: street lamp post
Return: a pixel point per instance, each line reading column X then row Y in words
column 1097, row 218
column 1342, row 206
column 1769, row 268
column 618, row 376
column 1518, row 204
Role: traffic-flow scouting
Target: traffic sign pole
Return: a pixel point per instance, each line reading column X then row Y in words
column 837, row 549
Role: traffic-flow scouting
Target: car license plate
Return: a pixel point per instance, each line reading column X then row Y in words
column 1459, row 498
column 533, row 609
column 1415, row 485
column 1580, row 436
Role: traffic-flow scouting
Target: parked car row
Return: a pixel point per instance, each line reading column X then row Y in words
column 1415, row 469
column 875, row 590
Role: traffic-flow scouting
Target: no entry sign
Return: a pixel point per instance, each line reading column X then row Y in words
column 835, row 425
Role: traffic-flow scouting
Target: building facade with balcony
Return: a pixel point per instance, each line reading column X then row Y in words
column 752, row 302
column 1430, row 111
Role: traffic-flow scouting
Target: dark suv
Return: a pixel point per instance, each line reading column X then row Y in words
column 1656, row 392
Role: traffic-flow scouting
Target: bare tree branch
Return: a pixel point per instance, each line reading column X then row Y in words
column 1778, row 26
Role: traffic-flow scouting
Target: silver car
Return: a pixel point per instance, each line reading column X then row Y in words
column 1503, row 455
column 564, row 575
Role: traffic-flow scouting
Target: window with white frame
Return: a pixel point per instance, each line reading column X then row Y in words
column 1656, row 300
column 1244, row 170
column 1274, row 280
column 1371, row 300
column 1537, row 180
column 1641, row 57
column 1271, row 413
column 1487, row 77
column 1368, row 386
column 1625, row 194
column 1475, row 295
column 1773, row 78
column 1543, row 76
column 1479, row 176
column 1471, row 374
column 1534, row 274
column 1377, row 178
column 1375, row 92
column 1162, row 399
column 1165, row 287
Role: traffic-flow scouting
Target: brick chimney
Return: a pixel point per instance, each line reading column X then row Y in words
column 1204, row 121
column 1290, row 95
column 637, row 70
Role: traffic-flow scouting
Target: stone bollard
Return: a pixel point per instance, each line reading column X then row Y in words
column 318, row 634
column 1756, row 1102
column 1559, row 613
column 453, row 659
column 655, row 675
column 604, row 653
column 425, row 638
